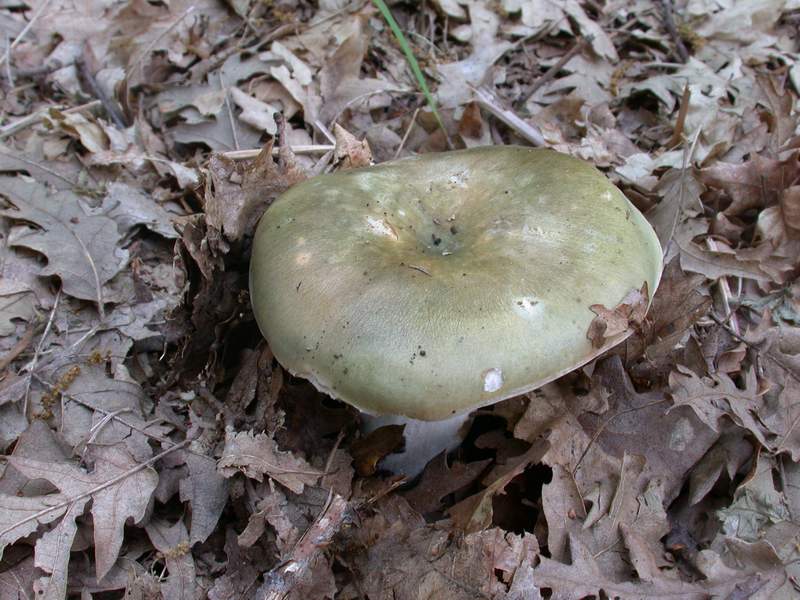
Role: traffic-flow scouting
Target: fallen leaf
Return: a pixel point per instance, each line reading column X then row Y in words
column 242, row 191
column 394, row 542
column 611, row 324
column 81, row 249
column 115, row 499
column 372, row 448
column 756, row 183
column 717, row 396
column 172, row 541
column 439, row 480
column 206, row 491
column 131, row 208
column 475, row 512
column 258, row 455
column 349, row 152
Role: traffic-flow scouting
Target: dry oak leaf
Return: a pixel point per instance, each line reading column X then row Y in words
column 713, row 397
column 81, row 249
column 584, row 578
column 756, row 183
column 112, row 505
column 16, row 510
column 258, row 455
column 439, row 480
column 475, row 513
column 609, row 324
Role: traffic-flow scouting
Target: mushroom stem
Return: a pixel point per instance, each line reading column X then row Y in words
column 423, row 440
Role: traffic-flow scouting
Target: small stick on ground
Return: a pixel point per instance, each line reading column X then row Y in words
column 725, row 293
column 310, row 149
column 669, row 23
column 33, row 118
column 406, row 134
column 680, row 121
column 229, row 108
column 91, row 87
column 18, row 348
column 32, row 365
column 282, row 579
column 487, row 101
column 39, row 11
column 553, row 71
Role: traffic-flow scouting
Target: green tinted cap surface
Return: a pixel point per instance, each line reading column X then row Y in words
column 430, row 286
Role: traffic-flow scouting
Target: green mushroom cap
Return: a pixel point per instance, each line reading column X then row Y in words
column 430, row 286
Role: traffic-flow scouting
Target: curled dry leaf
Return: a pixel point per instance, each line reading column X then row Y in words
column 371, row 449
column 241, row 191
column 349, row 152
column 609, row 324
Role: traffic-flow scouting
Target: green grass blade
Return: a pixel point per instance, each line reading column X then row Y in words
column 412, row 62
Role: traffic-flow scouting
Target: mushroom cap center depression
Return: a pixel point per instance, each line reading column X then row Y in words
column 429, row 286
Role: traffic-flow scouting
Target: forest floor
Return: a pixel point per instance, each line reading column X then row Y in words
column 153, row 445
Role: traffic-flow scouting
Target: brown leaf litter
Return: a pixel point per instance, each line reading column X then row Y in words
column 153, row 446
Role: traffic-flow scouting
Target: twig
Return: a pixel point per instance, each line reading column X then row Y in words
column 39, row 11
column 420, row 269
column 307, row 149
column 7, row 358
column 9, row 75
column 32, row 365
column 91, row 87
column 279, row 581
column 329, row 462
column 97, row 284
column 677, row 133
column 107, row 418
column 94, row 490
column 45, row 69
column 554, row 70
column 366, row 96
column 325, row 131
column 669, row 23
column 527, row 131
column 688, row 155
column 407, row 133
column 33, row 118
column 725, row 292
column 231, row 118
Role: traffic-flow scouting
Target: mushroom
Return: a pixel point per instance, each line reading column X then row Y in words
column 421, row 289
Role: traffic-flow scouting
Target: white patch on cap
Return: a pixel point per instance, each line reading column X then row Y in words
column 302, row 258
column 459, row 179
column 492, row 380
column 527, row 306
column 381, row 227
